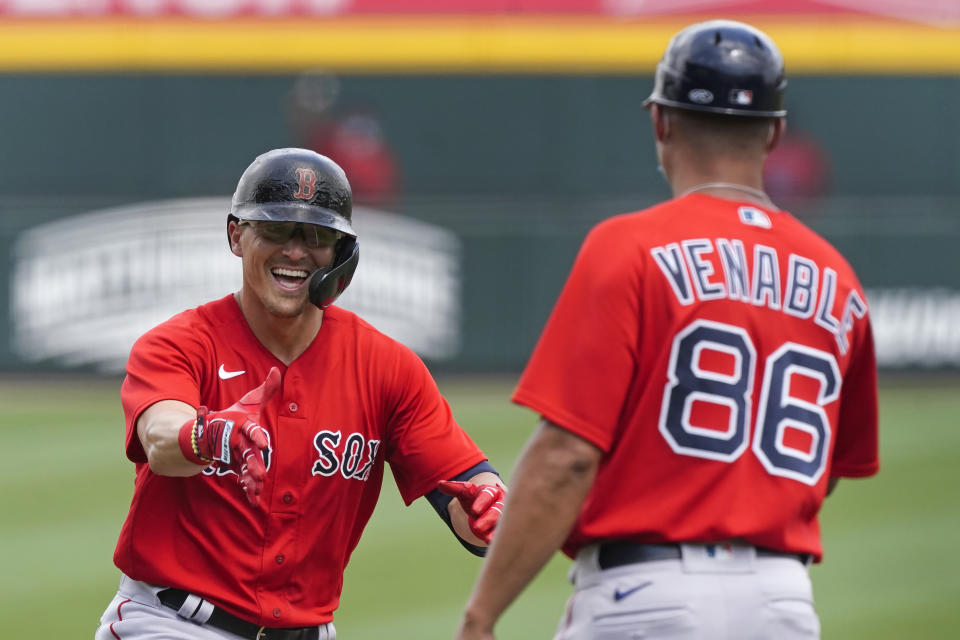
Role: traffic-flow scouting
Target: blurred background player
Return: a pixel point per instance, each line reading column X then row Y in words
column 797, row 171
column 353, row 134
column 243, row 518
column 705, row 378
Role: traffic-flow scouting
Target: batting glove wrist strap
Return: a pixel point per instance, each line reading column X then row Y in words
column 483, row 504
column 232, row 440
column 189, row 439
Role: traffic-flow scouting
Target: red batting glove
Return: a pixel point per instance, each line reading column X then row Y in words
column 232, row 438
column 482, row 502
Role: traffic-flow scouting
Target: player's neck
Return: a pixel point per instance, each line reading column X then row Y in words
column 702, row 169
column 285, row 337
column 742, row 186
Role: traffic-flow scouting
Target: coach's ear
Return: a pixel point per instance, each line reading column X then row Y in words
column 778, row 127
column 234, row 231
column 662, row 127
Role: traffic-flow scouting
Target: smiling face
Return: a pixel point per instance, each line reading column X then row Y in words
column 277, row 273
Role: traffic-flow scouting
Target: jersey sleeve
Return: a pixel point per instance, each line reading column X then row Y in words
column 856, row 452
column 158, row 368
column 580, row 371
column 425, row 443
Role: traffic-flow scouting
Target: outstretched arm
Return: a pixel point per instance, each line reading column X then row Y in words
column 181, row 441
column 550, row 482
column 159, row 430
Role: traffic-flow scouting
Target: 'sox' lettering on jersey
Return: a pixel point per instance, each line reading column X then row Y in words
column 351, row 455
column 325, row 443
column 349, row 460
column 364, row 472
column 803, row 295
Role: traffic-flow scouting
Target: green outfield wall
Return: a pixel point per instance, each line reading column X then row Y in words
column 516, row 167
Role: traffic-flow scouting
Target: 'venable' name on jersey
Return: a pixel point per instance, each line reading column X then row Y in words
column 721, row 356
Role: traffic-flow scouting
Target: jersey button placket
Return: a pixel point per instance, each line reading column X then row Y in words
column 293, row 407
column 288, row 498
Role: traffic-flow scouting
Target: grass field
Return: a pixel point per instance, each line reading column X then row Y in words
column 892, row 566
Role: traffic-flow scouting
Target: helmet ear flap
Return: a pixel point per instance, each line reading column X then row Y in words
column 327, row 284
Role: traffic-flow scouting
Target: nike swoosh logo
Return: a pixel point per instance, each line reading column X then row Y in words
column 226, row 375
column 620, row 595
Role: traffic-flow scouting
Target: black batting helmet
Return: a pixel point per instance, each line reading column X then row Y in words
column 299, row 185
column 721, row 66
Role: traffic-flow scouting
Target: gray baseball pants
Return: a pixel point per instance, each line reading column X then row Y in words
column 137, row 614
column 703, row 595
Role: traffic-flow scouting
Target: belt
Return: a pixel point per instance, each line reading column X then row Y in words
column 617, row 553
column 174, row 599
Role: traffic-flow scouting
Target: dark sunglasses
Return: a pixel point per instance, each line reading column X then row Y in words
column 314, row 236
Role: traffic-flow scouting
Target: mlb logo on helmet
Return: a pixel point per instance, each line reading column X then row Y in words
column 741, row 97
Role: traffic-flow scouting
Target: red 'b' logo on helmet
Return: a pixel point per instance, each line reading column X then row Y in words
column 306, row 184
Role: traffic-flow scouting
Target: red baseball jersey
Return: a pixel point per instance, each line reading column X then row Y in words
column 721, row 356
column 354, row 399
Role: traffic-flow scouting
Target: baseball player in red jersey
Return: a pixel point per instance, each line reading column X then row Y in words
column 260, row 424
column 705, row 378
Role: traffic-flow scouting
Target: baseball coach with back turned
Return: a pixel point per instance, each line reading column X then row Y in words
column 705, row 379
